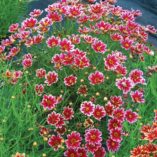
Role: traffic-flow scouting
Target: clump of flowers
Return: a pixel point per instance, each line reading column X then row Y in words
column 83, row 81
column 149, row 133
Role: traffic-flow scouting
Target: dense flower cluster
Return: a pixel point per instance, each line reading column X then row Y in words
column 84, row 84
column 149, row 133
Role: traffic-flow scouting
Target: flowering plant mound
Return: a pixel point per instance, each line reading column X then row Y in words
column 81, row 61
column 149, row 133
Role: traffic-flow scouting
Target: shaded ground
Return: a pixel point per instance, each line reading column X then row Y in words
column 147, row 7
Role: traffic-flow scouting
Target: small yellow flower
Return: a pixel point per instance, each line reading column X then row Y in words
column 13, row 97
column 44, row 155
column 35, row 144
column 105, row 98
column 97, row 94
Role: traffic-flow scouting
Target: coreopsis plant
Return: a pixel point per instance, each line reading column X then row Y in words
column 149, row 133
column 81, row 59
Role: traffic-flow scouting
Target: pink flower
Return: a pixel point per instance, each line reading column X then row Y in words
column 111, row 62
column 109, row 108
column 51, row 78
column 55, row 141
column 121, row 70
column 13, row 28
column 115, row 135
column 127, row 16
column 112, row 145
column 66, row 45
column 93, row 136
column 14, row 51
column 53, row 118
column 131, row 116
column 29, row 23
column 87, row 108
column 68, row 113
column 100, row 152
column 104, row 26
column 82, row 62
column 73, row 140
column 49, row 102
column 39, row 89
column 54, row 16
column 119, row 114
column 37, row 39
column 96, row 78
column 126, row 44
column 92, row 147
column 67, row 58
column 71, row 152
column 70, row 80
column 124, row 84
column 82, row 152
column 36, row 13
column 74, row 11
column 114, row 124
column 27, row 63
column 97, row 8
column 116, row 101
column 99, row 112
column 99, row 46
column 137, row 76
column 137, row 96
column 116, row 37
column 52, row 42
column 40, row 73
column 61, row 122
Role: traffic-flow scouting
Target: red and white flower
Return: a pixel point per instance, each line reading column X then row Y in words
column 99, row 112
column 70, row 80
column 53, row 118
column 99, row 46
column 39, row 89
column 52, row 41
column 124, row 84
column 92, row 147
column 137, row 96
column 112, row 145
column 36, row 13
column 93, row 136
column 126, row 44
column 29, row 23
column 114, row 124
column 104, row 26
column 40, row 73
column 51, row 78
column 66, row 45
column 49, row 102
column 96, row 78
column 87, row 108
column 119, row 114
column 137, row 76
column 71, row 152
column 111, row 62
column 82, row 152
column 115, row 135
column 68, row 113
column 131, row 116
column 116, row 101
column 13, row 28
column 55, row 141
column 100, row 152
column 73, row 140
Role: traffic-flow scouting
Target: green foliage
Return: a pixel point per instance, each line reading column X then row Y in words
column 10, row 12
